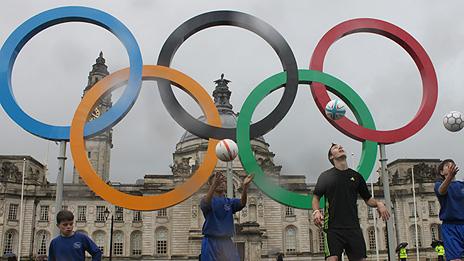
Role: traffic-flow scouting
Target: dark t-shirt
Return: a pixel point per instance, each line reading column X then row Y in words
column 341, row 188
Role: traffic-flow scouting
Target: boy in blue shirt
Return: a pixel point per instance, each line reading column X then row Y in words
column 218, row 228
column 450, row 193
column 70, row 246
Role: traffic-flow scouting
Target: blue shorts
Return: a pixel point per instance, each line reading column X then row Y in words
column 453, row 239
column 215, row 249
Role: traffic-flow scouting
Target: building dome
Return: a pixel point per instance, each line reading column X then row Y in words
column 221, row 96
column 228, row 120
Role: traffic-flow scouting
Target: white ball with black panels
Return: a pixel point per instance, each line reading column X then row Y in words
column 453, row 121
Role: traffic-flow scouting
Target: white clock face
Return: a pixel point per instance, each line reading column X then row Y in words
column 95, row 114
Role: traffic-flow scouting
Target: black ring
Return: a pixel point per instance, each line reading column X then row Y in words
column 245, row 21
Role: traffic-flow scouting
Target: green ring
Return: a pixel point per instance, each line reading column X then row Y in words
column 334, row 85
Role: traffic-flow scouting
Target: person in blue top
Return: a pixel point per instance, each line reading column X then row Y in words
column 450, row 193
column 218, row 228
column 71, row 246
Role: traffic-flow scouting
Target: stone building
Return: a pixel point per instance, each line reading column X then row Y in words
column 263, row 228
column 98, row 147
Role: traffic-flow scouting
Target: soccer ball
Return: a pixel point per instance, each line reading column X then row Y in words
column 453, row 121
column 335, row 109
column 226, row 150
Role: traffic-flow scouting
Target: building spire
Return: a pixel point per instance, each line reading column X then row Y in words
column 222, row 95
column 100, row 60
column 99, row 71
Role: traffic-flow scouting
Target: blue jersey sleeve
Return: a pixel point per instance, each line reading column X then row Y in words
column 51, row 252
column 92, row 248
column 236, row 205
column 205, row 208
column 437, row 186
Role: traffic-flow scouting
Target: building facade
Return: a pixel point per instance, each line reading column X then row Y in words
column 263, row 228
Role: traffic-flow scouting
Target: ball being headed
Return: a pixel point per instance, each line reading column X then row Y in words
column 226, row 150
column 453, row 121
column 335, row 109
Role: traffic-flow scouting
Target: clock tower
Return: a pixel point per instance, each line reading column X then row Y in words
column 98, row 147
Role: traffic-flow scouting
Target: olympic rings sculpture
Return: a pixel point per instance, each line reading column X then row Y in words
column 289, row 79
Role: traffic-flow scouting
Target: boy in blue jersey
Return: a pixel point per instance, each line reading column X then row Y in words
column 70, row 246
column 218, row 228
column 450, row 193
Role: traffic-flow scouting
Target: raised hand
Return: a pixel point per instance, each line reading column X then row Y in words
column 248, row 179
column 383, row 212
column 218, row 179
column 317, row 218
column 246, row 182
column 453, row 170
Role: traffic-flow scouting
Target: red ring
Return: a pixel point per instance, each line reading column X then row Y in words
column 410, row 45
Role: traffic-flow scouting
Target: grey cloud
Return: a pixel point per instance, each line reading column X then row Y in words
column 145, row 140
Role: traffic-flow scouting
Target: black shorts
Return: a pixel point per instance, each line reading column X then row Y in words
column 350, row 240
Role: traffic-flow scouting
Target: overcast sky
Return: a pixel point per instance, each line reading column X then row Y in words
column 51, row 72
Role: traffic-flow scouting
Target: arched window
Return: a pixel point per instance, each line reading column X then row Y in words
column 161, row 241
column 412, row 233
column 99, row 238
column 371, row 237
column 118, row 243
column 252, row 210
column 321, row 240
column 136, row 243
column 290, row 239
column 43, row 238
column 10, row 242
column 311, row 241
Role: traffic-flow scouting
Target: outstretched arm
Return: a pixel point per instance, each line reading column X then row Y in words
column 453, row 170
column 51, row 253
column 246, row 184
column 370, row 201
column 317, row 215
column 383, row 212
column 216, row 181
column 93, row 250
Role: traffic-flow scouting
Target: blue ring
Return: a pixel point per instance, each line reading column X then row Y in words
column 36, row 24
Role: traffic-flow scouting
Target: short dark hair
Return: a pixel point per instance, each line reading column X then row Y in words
column 64, row 215
column 442, row 166
column 330, row 154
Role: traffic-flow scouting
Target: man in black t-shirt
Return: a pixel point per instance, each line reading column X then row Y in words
column 341, row 185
